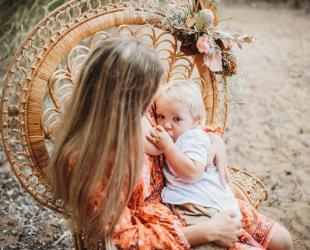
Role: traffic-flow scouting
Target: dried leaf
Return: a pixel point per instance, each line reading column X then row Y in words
column 229, row 64
column 214, row 63
column 229, row 45
column 249, row 39
column 190, row 22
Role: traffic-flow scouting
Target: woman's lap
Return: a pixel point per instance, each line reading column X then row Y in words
column 256, row 225
column 193, row 214
column 259, row 226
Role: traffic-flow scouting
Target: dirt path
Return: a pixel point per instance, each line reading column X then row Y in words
column 269, row 135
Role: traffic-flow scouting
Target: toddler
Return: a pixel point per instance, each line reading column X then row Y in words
column 193, row 190
column 181, row 117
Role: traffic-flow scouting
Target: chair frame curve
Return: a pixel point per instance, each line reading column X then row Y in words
column 34, row 63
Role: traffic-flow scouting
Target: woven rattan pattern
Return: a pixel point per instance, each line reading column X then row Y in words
column 41, row 77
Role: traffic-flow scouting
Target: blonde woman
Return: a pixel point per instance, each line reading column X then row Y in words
column 110, row 187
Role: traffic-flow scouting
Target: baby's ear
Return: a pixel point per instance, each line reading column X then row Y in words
column 197, row 121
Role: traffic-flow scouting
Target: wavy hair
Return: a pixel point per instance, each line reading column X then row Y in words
column 102, row 128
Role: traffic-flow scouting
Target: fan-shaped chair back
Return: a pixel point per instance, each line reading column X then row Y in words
column 41, row 76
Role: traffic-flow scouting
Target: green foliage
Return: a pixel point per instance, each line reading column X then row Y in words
column 17, row 17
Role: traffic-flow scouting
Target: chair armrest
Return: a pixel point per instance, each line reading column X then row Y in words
column 248, row 187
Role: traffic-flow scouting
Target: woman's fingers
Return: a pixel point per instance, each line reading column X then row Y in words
column 226, row 227
column 211, row 156
column 220, row 159
column 222, row 174
column 235, row 239
column 228, row 176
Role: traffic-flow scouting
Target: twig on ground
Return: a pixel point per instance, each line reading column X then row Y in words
column 65, row 234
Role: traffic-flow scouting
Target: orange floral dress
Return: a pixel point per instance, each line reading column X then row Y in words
column 146, row 223
column 258, row 229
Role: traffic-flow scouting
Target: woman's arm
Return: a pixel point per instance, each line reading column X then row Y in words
column 222, row 229
column 155, row 227
column 217, row 156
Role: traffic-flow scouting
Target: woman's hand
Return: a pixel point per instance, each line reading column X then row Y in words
column 217, row 156
column 222, row 229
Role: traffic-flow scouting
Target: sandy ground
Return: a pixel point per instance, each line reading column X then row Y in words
column 268, row 135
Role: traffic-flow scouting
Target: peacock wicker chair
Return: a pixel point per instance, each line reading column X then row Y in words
column 40, row 80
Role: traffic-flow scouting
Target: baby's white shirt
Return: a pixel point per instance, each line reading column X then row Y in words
column 207, row 191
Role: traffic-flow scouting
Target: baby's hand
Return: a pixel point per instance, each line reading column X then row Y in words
column 160, row 138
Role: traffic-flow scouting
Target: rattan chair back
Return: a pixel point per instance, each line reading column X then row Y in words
column 41, row 76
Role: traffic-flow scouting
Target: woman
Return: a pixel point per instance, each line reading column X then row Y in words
column 111, row 189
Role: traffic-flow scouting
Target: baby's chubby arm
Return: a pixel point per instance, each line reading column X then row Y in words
column 187, row 169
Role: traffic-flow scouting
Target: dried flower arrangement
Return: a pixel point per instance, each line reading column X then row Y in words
column 193, row 22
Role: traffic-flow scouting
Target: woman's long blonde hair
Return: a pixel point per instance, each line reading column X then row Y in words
column 101, row 126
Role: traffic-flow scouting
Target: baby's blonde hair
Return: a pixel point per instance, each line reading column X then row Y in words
column 188, row 93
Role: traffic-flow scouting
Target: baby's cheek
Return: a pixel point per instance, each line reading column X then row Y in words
column 159, row 122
